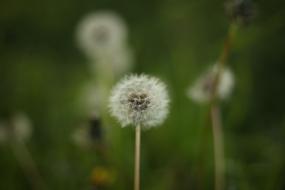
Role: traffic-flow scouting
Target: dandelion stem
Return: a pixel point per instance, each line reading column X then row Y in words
column 218, row 144
column 223, row 59
column 218, row 147
column 27, row 163
column 137, row 158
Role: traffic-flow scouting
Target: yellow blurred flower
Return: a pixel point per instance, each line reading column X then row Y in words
column 102, row 176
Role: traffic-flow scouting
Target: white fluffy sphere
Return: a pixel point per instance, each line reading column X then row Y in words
column 100, row 34
column 139, row 100
column 202, row 89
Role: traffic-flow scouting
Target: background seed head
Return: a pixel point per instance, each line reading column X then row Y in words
column 240, row 11
column 101, row 34
column 202, row 89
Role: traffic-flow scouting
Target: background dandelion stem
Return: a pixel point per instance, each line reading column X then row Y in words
column 137, row 158
column 227, row 44
column 28, row 165
column 223, row 58
column 218, row 147
column 217, row 129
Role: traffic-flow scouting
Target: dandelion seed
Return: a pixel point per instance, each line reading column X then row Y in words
column 203, row 87
column 139, row 100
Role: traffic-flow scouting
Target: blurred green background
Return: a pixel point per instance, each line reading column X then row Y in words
column 42, row 73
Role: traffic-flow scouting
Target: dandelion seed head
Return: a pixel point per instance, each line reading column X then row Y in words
column 139, row 100
column 240, row 11
column 202, row 89
column 17, row 127
column 101, row 33
column 22, row 127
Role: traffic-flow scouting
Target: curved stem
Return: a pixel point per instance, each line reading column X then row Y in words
column 137, row 158
column 218, row 144
column 223, row 59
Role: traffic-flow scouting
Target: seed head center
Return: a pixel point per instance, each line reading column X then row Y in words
column 138, row 101
column 208, row 84
column 101, row 35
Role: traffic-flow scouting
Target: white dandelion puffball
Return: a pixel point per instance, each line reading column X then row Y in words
column 101, row 33
column 203, row 87
column 139, row 100
column 22, row 127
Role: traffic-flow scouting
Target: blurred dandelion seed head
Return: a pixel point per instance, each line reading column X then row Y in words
column 139, row 100
column 100, row 34
column 22, row 127
column 18, row 128
column 240, row 11
column 203, row 87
